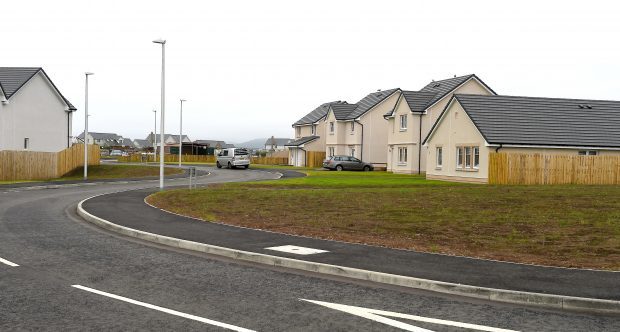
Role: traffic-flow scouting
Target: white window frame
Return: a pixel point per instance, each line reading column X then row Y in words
column 352, row 127
column 332, row 127
column 402, row 155
column 26, row 143
column 439, row 157
column 469, row 158
column 313, row 130
column 403, row 122
column 297, row 131
column 352, row 151
column 332, row 151
column 588, row 153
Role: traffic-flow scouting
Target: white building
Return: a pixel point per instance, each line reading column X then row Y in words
column 34, row 115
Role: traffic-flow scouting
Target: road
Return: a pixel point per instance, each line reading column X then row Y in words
column 59, row 273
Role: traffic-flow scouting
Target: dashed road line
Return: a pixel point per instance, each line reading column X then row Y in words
column 165, row 310
column 9, row 263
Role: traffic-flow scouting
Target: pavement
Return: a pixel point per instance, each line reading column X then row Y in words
column 72, row 276
column 131, row 211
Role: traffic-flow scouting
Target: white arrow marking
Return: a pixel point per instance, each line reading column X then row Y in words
column 9, row 263
column 168, row 311
column 377, row 315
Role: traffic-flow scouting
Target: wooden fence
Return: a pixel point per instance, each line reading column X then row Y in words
column 30, row 165
column 315, row 158
column 138, row 158
column 270, row 160
column 522, row 168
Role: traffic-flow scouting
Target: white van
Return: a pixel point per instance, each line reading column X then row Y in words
column 233, row 158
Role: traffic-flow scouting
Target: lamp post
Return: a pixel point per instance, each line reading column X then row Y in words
column 155, row 136
column 181, row 132
column 86, row 74
column 162, row 42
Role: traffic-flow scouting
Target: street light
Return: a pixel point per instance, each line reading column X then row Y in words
column 181, row 132
column 155, row 137
column 86, row 74
column 162, row 42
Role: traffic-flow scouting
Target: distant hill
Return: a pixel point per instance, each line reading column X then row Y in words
column 257, row 143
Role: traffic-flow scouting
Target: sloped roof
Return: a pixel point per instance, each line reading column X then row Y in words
column 278, row 141
column 317, row 114
column 302, row 141
column 210, row 142
column 443, row 87
column 13, row 78
column 127, row 142
column 141, row 143
column 102, row 136
column 370, row 101
column 544, row 121
column 418, row 100
column 167, row 136
column 343, row 111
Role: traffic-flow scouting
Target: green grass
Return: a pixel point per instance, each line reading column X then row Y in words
column 575, row 226
column 116, row 172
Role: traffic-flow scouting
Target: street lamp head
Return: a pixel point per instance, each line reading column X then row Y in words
column 89, row 73
column 183, row 100
column 159, row 41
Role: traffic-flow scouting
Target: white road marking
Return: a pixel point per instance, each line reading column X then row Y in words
column 377, row 315
column 9, row 263
column 168, row 311
column 297, row 250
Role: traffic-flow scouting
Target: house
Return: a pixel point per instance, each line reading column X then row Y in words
column 34, row 115
column 309, row 134
column 142, row 144
column 471, row 127
column 171, row 142
column 276, row 144
column 102, row 139
column 359, row 129
column 414, row 114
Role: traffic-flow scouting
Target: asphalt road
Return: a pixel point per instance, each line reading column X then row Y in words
column 74, row 276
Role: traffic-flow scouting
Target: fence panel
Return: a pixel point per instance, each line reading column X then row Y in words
column 315, row 158
column 30, row 165
column 522, row 168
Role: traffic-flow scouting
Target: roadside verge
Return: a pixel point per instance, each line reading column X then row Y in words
column 500, row 295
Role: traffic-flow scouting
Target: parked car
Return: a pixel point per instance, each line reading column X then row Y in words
column 233, row 157
column 341, row 163
column 116, row 153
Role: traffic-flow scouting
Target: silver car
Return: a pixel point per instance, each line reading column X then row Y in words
column 348, row 163
column 233, row 158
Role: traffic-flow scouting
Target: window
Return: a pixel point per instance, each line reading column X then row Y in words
column 402, row 155
column 352, row 127
column 331, row 127
column 331, row 151
column 467, row 158
column 403, row 122
column 476, row 157
column 439, row 157
column 313, row 129
column 298, row 131
column 26, row 143
column 352, row 151
column 588, row 153
column 459, row 157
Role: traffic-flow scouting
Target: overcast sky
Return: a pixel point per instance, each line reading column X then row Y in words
column 250, row 69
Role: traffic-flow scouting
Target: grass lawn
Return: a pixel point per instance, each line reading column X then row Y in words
column 116, row 172
column 570, row 226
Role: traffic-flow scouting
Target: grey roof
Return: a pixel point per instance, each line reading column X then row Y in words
column 544, row 121
column 317, row 114
column 302, row 141
column 418, row 100
column 166, row 137
column 127, row 142
column 368, row 102
column 342, row 111
column 13, row 78
column 141, row 143
column 443, row 87
column 278, row 141
column 210, row 142
column 228, row 145
column 102, row 136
